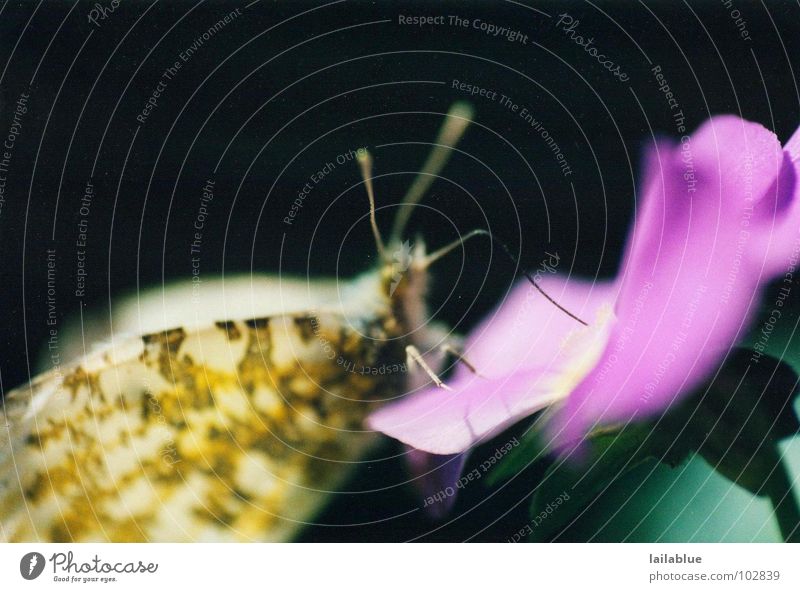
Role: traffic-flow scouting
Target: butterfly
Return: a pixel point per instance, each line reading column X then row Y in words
column 226, row 430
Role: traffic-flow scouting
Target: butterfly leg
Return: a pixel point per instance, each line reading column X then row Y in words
column 450, row 349
column 414, row 357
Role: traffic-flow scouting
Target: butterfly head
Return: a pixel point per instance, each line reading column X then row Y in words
column 404, row 262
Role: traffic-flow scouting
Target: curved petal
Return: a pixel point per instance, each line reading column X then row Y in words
column 780, row 214
column 693, row 271
column 527, row 330
column 449, row 422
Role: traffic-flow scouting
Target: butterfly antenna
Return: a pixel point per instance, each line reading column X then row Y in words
column 439, row 253
column 432, row 258
column 365, row 162
column 535, row 284
column 456, row 122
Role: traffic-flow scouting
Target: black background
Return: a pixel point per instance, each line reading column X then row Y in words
column 285, row 88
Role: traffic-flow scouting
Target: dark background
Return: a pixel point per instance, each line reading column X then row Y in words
column 285, row 88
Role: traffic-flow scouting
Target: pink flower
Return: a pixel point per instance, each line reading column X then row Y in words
column 719, row 219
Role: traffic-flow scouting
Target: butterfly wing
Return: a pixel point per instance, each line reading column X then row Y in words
column 198, row 301
column 233, row 431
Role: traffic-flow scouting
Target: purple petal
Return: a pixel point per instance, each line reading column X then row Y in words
column 443, row 422
column 526, row 330
column 780, row 212
column 718, row 221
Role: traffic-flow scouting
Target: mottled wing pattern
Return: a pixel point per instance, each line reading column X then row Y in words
column 237, row 431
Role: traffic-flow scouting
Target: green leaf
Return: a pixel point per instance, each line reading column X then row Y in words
column 775, row 333
column 737, row 420
column 734, row 422
column 569, row 488
column 530, row 453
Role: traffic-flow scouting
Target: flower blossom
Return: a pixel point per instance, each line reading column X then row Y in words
column 718, row 220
